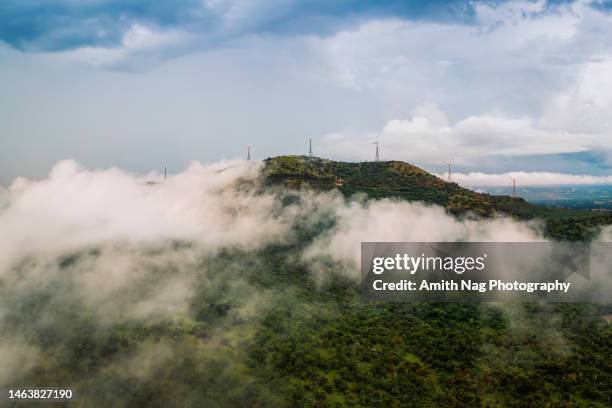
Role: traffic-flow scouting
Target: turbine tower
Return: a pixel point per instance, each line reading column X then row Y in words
column 513, row 186
column 248, row 152
column 449, row 171
column 377, row 157
column 310, row 147
column 165, row 172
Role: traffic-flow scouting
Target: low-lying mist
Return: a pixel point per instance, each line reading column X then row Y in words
column 116, row 283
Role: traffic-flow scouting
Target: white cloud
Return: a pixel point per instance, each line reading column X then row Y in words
column 525, row 179
column 506, row 42
column 139, row 43
column 576, row 119
column 586, row 106
column 400, row 221
column 527, row 79
column 74, row 208
column 427, row 139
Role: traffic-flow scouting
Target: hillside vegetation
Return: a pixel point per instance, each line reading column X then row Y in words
column 262, row 328
column 400, row 180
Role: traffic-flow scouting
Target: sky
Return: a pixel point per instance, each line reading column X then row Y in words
column 496, row 88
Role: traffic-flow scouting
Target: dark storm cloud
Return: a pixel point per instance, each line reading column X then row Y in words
column 39, row 25
column 66, row 24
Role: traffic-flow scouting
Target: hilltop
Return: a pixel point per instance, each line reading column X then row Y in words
column 400, row 180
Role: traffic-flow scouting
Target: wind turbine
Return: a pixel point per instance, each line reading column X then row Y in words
column 377, row 157
column 165, row 171
column 513, row 185
column 310, row 147
column 449, row 171
column 248, row 152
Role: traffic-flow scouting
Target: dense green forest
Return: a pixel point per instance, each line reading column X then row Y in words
column 260, row 330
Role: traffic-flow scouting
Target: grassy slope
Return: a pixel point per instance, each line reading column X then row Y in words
column 396, row 179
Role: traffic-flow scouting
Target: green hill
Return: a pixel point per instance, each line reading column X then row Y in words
column 396, row 179
column 267, row 328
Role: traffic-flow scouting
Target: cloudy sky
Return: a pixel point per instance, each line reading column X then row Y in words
column 494, row 87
